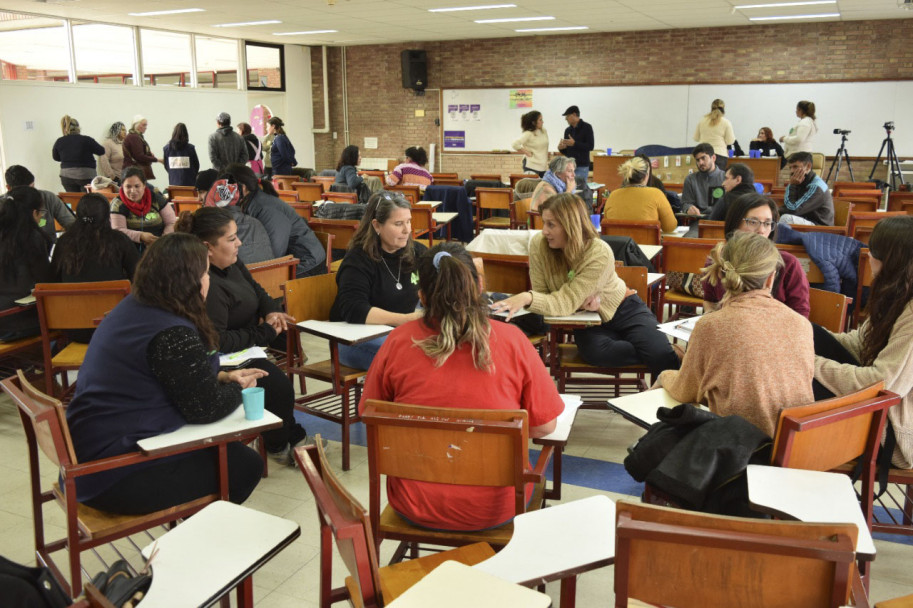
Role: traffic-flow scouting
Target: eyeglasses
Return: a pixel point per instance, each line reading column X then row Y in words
column 754, row 223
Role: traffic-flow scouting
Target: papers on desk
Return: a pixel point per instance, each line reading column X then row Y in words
column 565, row 420
column 347, row 333
column 680, row 330
column 641, row 407
column 581, row 317
column 679, row 231
column 26, row 301
column 594, row 185
column 239, row 358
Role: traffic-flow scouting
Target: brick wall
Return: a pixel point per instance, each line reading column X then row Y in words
column 380, row 107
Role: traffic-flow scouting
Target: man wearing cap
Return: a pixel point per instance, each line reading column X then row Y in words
column 226, row 147
column 578, row 141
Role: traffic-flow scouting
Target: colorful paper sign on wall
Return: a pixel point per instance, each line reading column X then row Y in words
column 454, row 111
column 454, row 139
column 464, row 111
column 475, row 109
column 521, row 98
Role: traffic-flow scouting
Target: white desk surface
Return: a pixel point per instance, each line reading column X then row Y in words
column 564, row 422
column 651, row 251
column 680, row 329
column 209, row 554
column 444, row 217
column 809, row 496
column 345, row 333
column 581, row 317
column 455, row 585
column 431, row 204
column 561, row 540
column 654, row 277
column 504, row 242
column 641, row 408
column 678, row 232
column 233, row 424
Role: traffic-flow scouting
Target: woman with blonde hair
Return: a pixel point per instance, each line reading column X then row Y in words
column 732, row 364
column 572, row 269
column 76, row 154
column 715, row 129
column 636, row 200
column 497, row 368
column 533, row 143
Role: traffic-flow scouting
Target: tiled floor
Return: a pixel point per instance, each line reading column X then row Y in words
column 597, row 446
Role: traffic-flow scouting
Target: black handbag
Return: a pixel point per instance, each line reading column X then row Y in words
column 25, row 587
column 120, row 586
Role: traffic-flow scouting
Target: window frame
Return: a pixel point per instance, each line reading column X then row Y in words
column 268, row 45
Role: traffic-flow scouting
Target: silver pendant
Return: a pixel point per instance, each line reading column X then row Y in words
column 399, row 285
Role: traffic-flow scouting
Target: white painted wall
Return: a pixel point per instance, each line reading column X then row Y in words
column 97, row 106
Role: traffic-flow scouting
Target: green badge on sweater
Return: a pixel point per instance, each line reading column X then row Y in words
column 570, row 275
column 415, row 278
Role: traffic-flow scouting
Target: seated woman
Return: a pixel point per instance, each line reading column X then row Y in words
column 413, row 171
column 882, row 347
column 152, row 368
column 559, row 178
column 23, row 259
column 244, row 315
column 377, row 280
column 141, row 213
column 732, row 365
column 636, row 200
column 572, row 269
column 347, row 173
column 767, row 145
column 757, row 213
column 496, row 367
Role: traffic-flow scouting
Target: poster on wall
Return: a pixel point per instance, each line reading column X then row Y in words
column 454, row 139
column 521, row 98
column 475, row 110
column 454, row 111
column 464, row 111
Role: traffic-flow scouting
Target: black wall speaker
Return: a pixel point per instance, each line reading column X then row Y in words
column 415, row 69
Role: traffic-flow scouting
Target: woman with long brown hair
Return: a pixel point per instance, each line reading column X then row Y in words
column 882, row 347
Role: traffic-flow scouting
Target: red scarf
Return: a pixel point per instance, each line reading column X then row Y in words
column 142, row 207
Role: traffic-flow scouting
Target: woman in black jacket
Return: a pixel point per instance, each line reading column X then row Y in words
column 76, row 154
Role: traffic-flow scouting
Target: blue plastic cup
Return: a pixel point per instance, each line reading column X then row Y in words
column 597, row 221
column 253, row 400
column 608, row 151
column 731, row 153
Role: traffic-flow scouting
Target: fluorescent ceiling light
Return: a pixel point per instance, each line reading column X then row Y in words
column 782, row 4
column 244, row 23
column 484, row 7
column 511, row 19
column 305, row 33
column 174, row 12
column 783, row 17
column 555, row 29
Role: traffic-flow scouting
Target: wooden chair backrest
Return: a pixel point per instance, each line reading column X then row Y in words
column 826, row 434
column 437, row 176
column 766, row 184
column 505, row 273
column 487, row 177
column 43, row 418
column 447, row 181
column 310, row 298
column 494, row 198
column 422, row 224
column 897, row 199
column 308, row 191
column 324, row 180
column 326, row 239
column 711, row 229
column 346, row 519
column 273, row 274
column 340, row 197
column 643, row 232
column 516, row 177
column 840, row 229
column 289, row 196
column 860, row 204
column 413, row 194
column 907, row 206
column 812, row 272
column 182, row 191
column 71, row 199
column 284, row 182
column 671, row 557
column 344, row 230
column 304, row 210
column 828, row 309
column 839, row 187
column 864, row 279
column 373, row 173
column 182, row 204
column 519, row 212
column 868, row 219
column 872, row 194
column 842, row 210
column 535, row 220
column 77, row 305
column 686, row 255
column 674, row 187
column 634, row 277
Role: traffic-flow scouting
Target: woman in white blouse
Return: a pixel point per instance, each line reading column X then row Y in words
column 801, row 137
column 533, row 143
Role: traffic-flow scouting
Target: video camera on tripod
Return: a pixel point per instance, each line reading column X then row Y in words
column 843, row 132
column 895, row 175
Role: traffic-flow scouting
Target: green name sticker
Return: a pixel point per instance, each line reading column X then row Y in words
column 570, row 275
column 414, row 278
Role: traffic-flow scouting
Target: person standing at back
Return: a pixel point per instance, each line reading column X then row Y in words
column 225, row 146
column 281, row 152
column 181, row 158
column 578, row 141
column 801, row 138
column 716, row 130
column 533, row 143
column 76, row 154
column 137, row 152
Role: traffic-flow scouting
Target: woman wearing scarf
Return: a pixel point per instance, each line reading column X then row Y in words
column 139, row 212
column 137, row 152
column 806, row 200
column 558, row 179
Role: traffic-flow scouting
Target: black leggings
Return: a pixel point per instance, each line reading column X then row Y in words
column 828, row 347
column 174, row 481
column 279, row 400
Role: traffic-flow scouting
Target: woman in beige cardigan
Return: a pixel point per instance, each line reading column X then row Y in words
column 572, row 269
column 882, row 347
column 755, row 355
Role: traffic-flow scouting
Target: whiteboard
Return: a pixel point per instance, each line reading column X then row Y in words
column 627, row 117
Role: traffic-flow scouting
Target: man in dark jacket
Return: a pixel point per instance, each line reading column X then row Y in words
column 226, row 147
column 578, row 142
column 739, row 180
column 807, row 199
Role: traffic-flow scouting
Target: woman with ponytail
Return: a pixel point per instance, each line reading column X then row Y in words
column 453, row 356
column 801, row 138
column 734, row 363
column 76, row 154
column 716, row 130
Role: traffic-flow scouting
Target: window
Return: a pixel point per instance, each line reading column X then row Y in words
column 265, row 66
column 166, row 58
column 217, row 63
column 104, row 53
column 33, row 48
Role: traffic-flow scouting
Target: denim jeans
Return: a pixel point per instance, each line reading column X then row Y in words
column 583, row 173
column 361, row 355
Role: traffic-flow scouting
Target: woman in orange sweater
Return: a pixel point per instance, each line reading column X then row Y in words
column 636, row 201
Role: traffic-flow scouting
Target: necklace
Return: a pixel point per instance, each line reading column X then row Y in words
column 398, row 272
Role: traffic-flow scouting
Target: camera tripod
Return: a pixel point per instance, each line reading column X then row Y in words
column 894, row 176
column 841, row 155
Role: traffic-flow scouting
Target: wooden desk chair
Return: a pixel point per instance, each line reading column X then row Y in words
column 63, row 306
column 273, row 274
column 897, row 199
column 284, row 182
column 289, row 196
column 308, row 191
column 437, row 176
column 8, row 349
column 818, row 160
column 182, row 204
column 344, row 230
column 674, row 187
column 535, row 220
column 447, row 181
column 416, row 442
column 864, row 279
column 839, row 187
column 841, row 230
column 711, row 229
column 519, row 214
column 183, row 192
column 863, row 234
column 842, row 209
column 812, row 272
column 324, row 180
column 71, row 199
column 861, row 204
column 44, row 421
column 486, row 177
column 516, row 177
column 643, row 233
column 868, row 194
column 828, row 309
column 868, row 219
column 373, row 173
column 340, row 197
column 685, row 255
column 304, row 210
column 491, row 199
column 670, row 557
column 311, row 298
column 422, row 224
column 326, row 239
column 344, row 520
column 413, row 194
